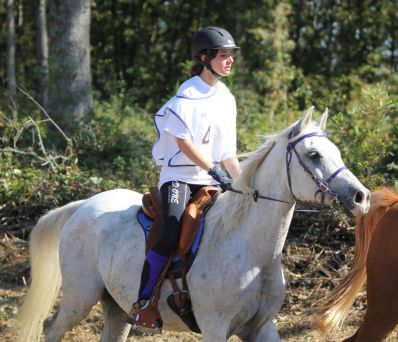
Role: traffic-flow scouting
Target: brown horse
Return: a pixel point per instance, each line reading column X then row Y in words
column 375, row 260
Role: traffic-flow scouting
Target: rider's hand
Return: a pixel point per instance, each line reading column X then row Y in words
column 221, row 177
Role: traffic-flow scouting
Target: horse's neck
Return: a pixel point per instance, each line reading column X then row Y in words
column 270, row 220
column 264, row 225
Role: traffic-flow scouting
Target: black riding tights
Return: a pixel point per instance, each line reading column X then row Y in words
column 174, row 196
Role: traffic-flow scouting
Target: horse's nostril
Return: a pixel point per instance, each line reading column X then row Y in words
column 359, row 197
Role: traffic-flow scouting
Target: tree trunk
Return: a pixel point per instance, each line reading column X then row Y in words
column 20, row 13
column 42, row 50
column 11, row 83
column 70, row 94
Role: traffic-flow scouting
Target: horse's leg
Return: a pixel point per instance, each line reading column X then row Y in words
column 80, row 294
column 382, row 313
column 376, row 326
column 72, row 311
column 213, row 328
column 271, row 302
column 266, row 332
column 115, row 327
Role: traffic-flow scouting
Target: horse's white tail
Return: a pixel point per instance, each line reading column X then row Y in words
column 45, row 272
column 341, row 299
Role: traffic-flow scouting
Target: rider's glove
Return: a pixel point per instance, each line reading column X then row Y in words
column 221, row 177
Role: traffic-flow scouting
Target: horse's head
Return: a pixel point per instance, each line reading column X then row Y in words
column 315, row 170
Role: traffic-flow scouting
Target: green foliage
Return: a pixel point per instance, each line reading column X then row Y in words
column 274, row 74
column 117, row 144
column 112, row 151
column 366, row 135
column 28, row 192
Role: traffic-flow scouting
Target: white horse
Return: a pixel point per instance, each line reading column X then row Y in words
column 236, row 282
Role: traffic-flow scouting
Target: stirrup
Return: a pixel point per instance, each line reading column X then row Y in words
column 145, row 318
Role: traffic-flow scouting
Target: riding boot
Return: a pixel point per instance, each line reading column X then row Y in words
column 145, row 315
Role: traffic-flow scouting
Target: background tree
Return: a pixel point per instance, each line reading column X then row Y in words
column 11, row 81
column 272, row 46
column 42, row 51
column 70, row 93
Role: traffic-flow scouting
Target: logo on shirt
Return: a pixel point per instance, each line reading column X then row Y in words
column 206, row 138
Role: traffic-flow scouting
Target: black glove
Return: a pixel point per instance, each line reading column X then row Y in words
column 221, row 177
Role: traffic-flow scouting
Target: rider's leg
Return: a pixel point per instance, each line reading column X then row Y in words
column 153, row 266
column 174, row 196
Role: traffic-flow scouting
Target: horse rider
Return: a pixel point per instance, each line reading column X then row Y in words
column 196, row 136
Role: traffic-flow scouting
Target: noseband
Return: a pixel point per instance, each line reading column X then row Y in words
column 323, row 186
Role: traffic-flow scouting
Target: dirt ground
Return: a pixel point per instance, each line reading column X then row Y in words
column 318, row 249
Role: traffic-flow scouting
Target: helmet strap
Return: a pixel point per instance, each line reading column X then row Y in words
column 208, row 66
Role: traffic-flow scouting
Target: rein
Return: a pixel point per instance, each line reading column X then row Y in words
column 323, row 186
column 256, row 196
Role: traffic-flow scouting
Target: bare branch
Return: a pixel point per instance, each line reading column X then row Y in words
column 38, row 135
column 5, row 117
column 41, row 155
column 45, row 112
column 47, row 159
column 25, row 153
column 13, row 108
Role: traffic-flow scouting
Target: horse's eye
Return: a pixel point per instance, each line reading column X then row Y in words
column 313, row 155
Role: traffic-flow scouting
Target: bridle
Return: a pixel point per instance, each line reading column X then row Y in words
column 323, row 185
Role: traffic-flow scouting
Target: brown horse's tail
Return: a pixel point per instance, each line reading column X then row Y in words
column 337, row 305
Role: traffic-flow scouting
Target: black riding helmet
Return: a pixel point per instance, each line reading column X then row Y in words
column 211, row 38
column 208, row 40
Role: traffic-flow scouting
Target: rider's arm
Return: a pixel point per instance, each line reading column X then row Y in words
column 193, row 153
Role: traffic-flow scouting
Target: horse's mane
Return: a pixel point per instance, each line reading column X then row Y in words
column 384, row 197
column 341, row 299
column 231, row 206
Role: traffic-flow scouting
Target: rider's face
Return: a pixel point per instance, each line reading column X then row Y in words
column 222, row 63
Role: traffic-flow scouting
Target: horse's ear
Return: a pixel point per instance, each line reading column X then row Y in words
column 303, row 122
column 322, row 119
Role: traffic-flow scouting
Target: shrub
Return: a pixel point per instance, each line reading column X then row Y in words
column 117, row 144
column 366, row 135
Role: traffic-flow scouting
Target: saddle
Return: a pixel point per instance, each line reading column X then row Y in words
column 179, row 301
